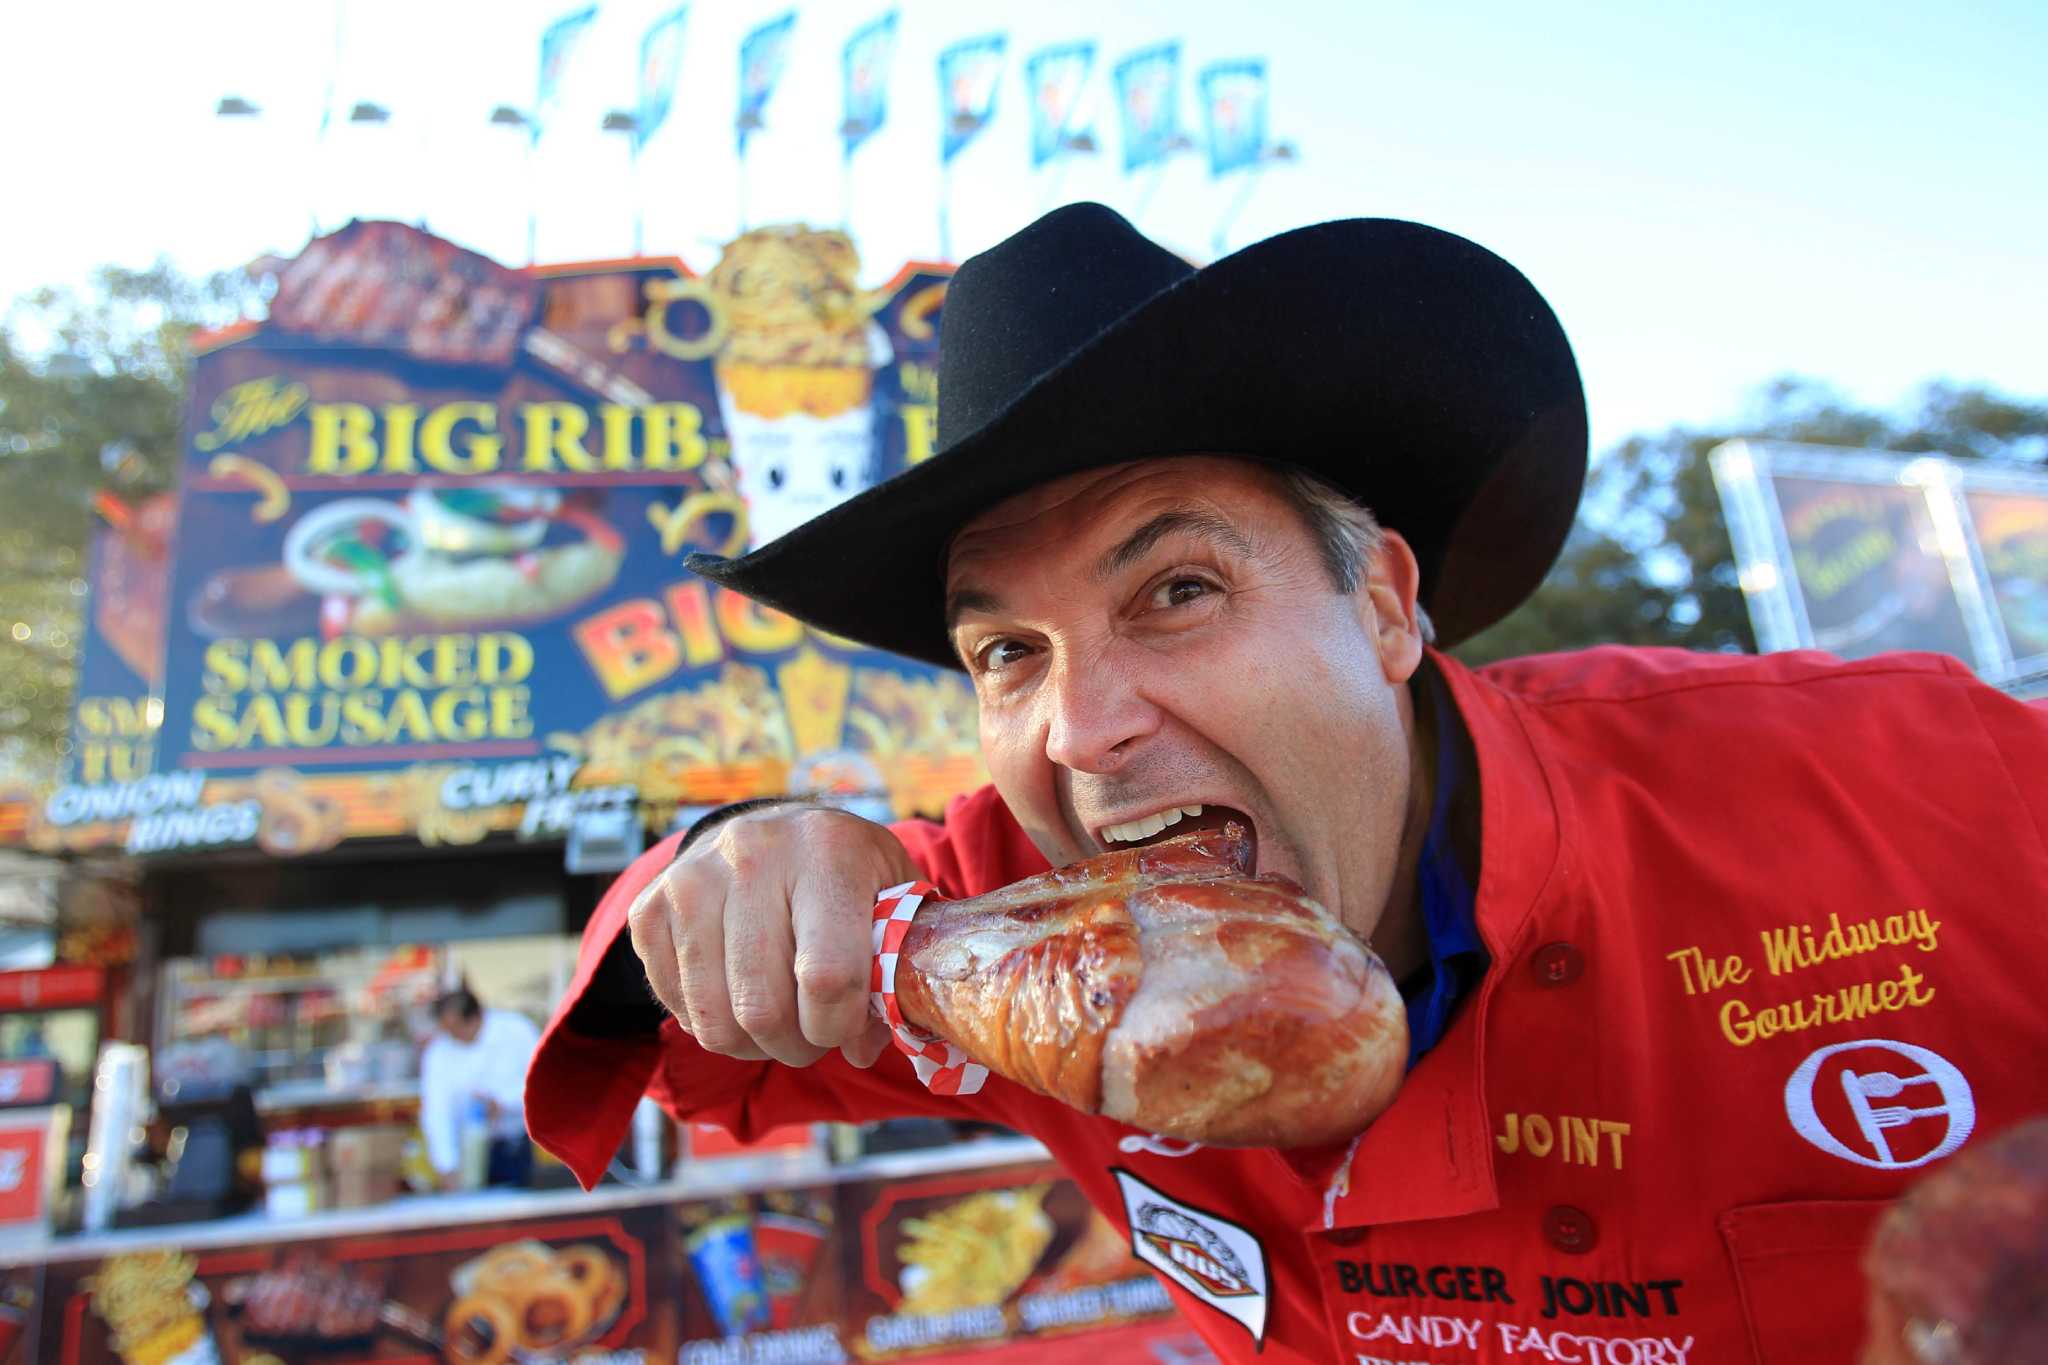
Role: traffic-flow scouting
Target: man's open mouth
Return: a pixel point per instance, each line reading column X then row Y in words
column 1172, row 822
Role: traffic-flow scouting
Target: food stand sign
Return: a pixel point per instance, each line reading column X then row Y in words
column 2010, row 517
column 1001, row 1263
column 1859, row 552
column 427, row 581
column 549, row 1289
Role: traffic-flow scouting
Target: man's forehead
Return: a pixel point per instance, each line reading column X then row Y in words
column 1100, row 500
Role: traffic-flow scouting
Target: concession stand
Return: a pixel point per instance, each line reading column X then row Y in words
column 372, row 705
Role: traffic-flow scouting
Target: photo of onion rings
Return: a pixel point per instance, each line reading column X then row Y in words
column 531, row 1299
column 478, row 1330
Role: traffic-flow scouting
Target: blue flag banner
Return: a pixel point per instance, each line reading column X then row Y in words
column 1055, row 77
column 968, row 74
column 661, row 62
column 1234, row 109
column 557, row 42
column 1148, row 101
column 763, row 55
column 866, row 63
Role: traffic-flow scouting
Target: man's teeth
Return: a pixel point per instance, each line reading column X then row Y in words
column 1145, row 826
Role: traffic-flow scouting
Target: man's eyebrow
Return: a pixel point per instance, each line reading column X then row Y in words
column 1192, row 521
column 963, row 600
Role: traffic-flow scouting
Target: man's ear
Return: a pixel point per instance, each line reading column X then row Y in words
column 1387, row 606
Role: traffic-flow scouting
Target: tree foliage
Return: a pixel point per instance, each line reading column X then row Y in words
column 1649, row 562
column 91, row 389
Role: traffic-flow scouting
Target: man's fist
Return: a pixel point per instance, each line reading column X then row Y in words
column 757, row 938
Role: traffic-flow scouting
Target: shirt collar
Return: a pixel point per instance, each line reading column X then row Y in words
column 1431, row 1155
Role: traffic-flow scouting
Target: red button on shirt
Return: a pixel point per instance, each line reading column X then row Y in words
column 1570, row 1230
column 1557, row 964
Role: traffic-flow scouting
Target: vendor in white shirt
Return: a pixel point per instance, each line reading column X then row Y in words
column 473, row 1077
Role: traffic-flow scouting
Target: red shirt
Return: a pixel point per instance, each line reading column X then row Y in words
column 1766, row 935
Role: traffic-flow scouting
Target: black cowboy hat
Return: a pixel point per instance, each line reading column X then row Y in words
column 1414, row 370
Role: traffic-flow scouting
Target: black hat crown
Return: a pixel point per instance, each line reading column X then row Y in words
column 1021, row 309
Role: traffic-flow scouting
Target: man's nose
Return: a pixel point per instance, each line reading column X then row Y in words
column 1097, row 715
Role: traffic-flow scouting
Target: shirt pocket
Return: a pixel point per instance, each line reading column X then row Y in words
column 1799, row 1269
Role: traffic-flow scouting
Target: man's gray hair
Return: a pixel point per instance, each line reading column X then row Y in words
column 1346, row 532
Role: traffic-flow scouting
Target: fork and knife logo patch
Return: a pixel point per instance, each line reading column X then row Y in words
column 1887, row 1105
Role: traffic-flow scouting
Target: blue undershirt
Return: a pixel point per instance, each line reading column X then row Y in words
column 1457, row 956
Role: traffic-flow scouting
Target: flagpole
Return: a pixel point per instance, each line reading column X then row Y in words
column 1052, row 187
column 945, row 202
column 639, row 206
column 1244, row 196
column 532, row 204
column 743, row 188
column 1152, row 184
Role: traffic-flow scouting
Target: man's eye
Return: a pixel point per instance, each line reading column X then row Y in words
column 1000, row 654
column 1178, row 592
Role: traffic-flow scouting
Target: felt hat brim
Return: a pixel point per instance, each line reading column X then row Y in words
column 1413, row 369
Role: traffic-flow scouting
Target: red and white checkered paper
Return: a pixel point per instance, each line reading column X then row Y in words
column 944, row 1068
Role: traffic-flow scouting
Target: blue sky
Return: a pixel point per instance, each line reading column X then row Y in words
column 1709, row 196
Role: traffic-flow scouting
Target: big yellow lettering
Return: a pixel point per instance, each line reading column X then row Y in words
column 510, row 717
column 554, row 431
column 502, row 657
column 302, row 729
column 344, row 439
column 920, row 432
column 213, row 725
column 460, row 714
column 454, row 660
column 467, row 452
column 227, row 668
column 675, row 436
column 753, row 627
column 400, row 663
column 400, row 419
column 282, row 670
column 362, row 718
column 262, row 726
column 690, row 604
column 409, row 720
column 617, row 422
column 348, row 663
column 628, row 647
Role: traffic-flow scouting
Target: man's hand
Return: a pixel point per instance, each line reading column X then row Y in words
column 758, row 937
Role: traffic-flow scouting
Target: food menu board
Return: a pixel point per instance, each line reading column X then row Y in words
column 1859, row 552
column 426, row 572
column 954, row 1264
column 2012, row 536
column 551, row 1289
column 1871, row 572
column 1005, row 1263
